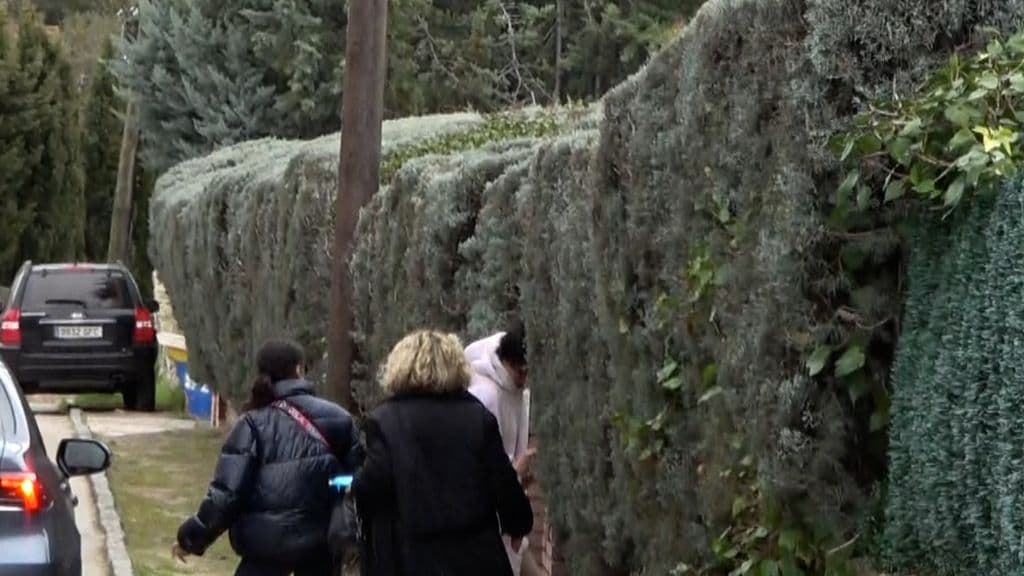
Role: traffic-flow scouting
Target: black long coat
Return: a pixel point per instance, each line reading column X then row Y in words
column 437, row 490
column 270, row 488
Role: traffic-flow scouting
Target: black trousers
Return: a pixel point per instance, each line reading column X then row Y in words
column 316, row 565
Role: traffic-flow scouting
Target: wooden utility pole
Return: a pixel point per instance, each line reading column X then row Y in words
column 119, row 244
column 559, row 29
column 358, row 173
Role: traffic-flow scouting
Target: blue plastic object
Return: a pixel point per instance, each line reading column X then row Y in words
column 340, row 483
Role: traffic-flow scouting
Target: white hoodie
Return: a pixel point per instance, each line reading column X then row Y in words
column 493, row 386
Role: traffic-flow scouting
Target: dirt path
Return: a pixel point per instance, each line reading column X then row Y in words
column 54, row 428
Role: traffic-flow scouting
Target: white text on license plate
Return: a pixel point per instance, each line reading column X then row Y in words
column 79, row 332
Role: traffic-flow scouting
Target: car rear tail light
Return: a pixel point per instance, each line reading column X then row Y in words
column 10, row 327
column 145, row 333
column 23, row 487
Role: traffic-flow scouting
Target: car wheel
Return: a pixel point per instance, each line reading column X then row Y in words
column 140, row 396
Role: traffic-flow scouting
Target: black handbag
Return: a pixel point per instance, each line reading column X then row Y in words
column 344, row 532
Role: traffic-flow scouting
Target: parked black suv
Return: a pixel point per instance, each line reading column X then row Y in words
column 73, row 328
column 37, row 508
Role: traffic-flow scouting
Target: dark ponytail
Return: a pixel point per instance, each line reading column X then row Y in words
column 261, row 394
column 277, row 360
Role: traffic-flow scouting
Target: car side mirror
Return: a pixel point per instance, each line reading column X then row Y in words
column 153, row 306
column 77, row 457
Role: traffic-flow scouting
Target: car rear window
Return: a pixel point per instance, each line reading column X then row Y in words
column 87, row 290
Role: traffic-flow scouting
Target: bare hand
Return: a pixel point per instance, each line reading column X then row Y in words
column 178, row 552
column 522, row 464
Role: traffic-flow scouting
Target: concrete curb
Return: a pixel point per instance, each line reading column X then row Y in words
column 117, row 553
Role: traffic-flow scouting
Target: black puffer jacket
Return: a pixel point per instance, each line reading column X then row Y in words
column 270, row 488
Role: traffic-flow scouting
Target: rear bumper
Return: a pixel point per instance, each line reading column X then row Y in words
column 62, row 372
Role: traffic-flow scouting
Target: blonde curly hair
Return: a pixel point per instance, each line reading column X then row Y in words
column 426, row 361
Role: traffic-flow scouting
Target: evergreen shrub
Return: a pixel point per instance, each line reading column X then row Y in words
column 673, row 258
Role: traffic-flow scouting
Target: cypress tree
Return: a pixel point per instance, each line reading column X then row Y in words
column 54, row 184
column 101, row 136
column 16, row 124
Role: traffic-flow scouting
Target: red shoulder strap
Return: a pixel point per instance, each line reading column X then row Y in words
column 297, row 415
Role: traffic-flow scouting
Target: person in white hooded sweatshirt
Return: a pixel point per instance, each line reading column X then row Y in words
column 499, row 372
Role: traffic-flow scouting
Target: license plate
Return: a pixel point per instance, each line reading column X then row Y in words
column 79, row 332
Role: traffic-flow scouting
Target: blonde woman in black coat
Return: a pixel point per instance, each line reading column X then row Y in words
column 436, row 490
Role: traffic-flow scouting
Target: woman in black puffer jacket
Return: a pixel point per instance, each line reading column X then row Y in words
column 270, row 488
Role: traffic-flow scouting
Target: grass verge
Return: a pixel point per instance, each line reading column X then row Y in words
column 158, row 480
column 169, row 398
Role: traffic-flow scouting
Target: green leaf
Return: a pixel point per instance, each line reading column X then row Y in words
column 1017, row 83
column 739, row 506
column 851, row 361
column 895, row 190
column 925, row 187
column 744, row 568
column 816, row 362
column 1016, row 44
column 995, row 48
column 868, row 143
column 668, row 370
column 863, row 197
column 899, row 149
column 961, row 115
column 849, row 183
column 962, row 139
column 710, row 394
column 672, row 384
column 955, row 192
column 979, row 94
column 847, row 149
column 709, row 375
column 989, row 81
column 911, row 129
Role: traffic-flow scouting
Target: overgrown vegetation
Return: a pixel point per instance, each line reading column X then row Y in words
column 958, row 133
column 60, row 137
column 237, row 218
column 41, row 176
column 209, row 73
column 948, row 153
column 711, row 332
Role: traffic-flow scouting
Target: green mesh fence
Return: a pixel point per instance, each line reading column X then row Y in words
column 956, row 489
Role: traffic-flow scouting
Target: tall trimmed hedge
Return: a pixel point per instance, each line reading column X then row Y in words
column 243, row 241
column 955, row 500
column 673, row 259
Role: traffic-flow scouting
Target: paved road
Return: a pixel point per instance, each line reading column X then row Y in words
column 94, row 561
